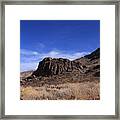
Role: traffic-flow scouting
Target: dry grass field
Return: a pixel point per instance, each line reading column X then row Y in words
column 68, row 91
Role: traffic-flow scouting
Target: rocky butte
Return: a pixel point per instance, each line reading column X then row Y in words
column 89, row 64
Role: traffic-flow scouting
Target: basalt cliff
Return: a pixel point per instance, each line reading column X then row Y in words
column 58, row 66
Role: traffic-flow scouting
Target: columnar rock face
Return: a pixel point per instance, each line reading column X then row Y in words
column 56, row 66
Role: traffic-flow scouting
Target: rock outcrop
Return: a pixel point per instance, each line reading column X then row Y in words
column 56, row 66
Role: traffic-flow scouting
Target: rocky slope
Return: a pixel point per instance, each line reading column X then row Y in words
column 57, row 66
column 59, row 70
column 62, row 79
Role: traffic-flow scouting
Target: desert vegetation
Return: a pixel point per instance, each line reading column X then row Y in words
column 69, row 91
column 62, row 79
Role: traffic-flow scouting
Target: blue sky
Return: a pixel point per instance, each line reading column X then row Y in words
column 56, row 38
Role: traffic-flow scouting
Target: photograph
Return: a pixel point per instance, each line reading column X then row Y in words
column 58, row 55
column 59, row 59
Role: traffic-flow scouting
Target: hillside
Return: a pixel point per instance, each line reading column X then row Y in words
column 59, row 78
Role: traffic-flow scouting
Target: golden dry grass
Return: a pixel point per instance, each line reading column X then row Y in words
column 67, row 91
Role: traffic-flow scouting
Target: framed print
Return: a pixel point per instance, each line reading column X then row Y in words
column 60, row 59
